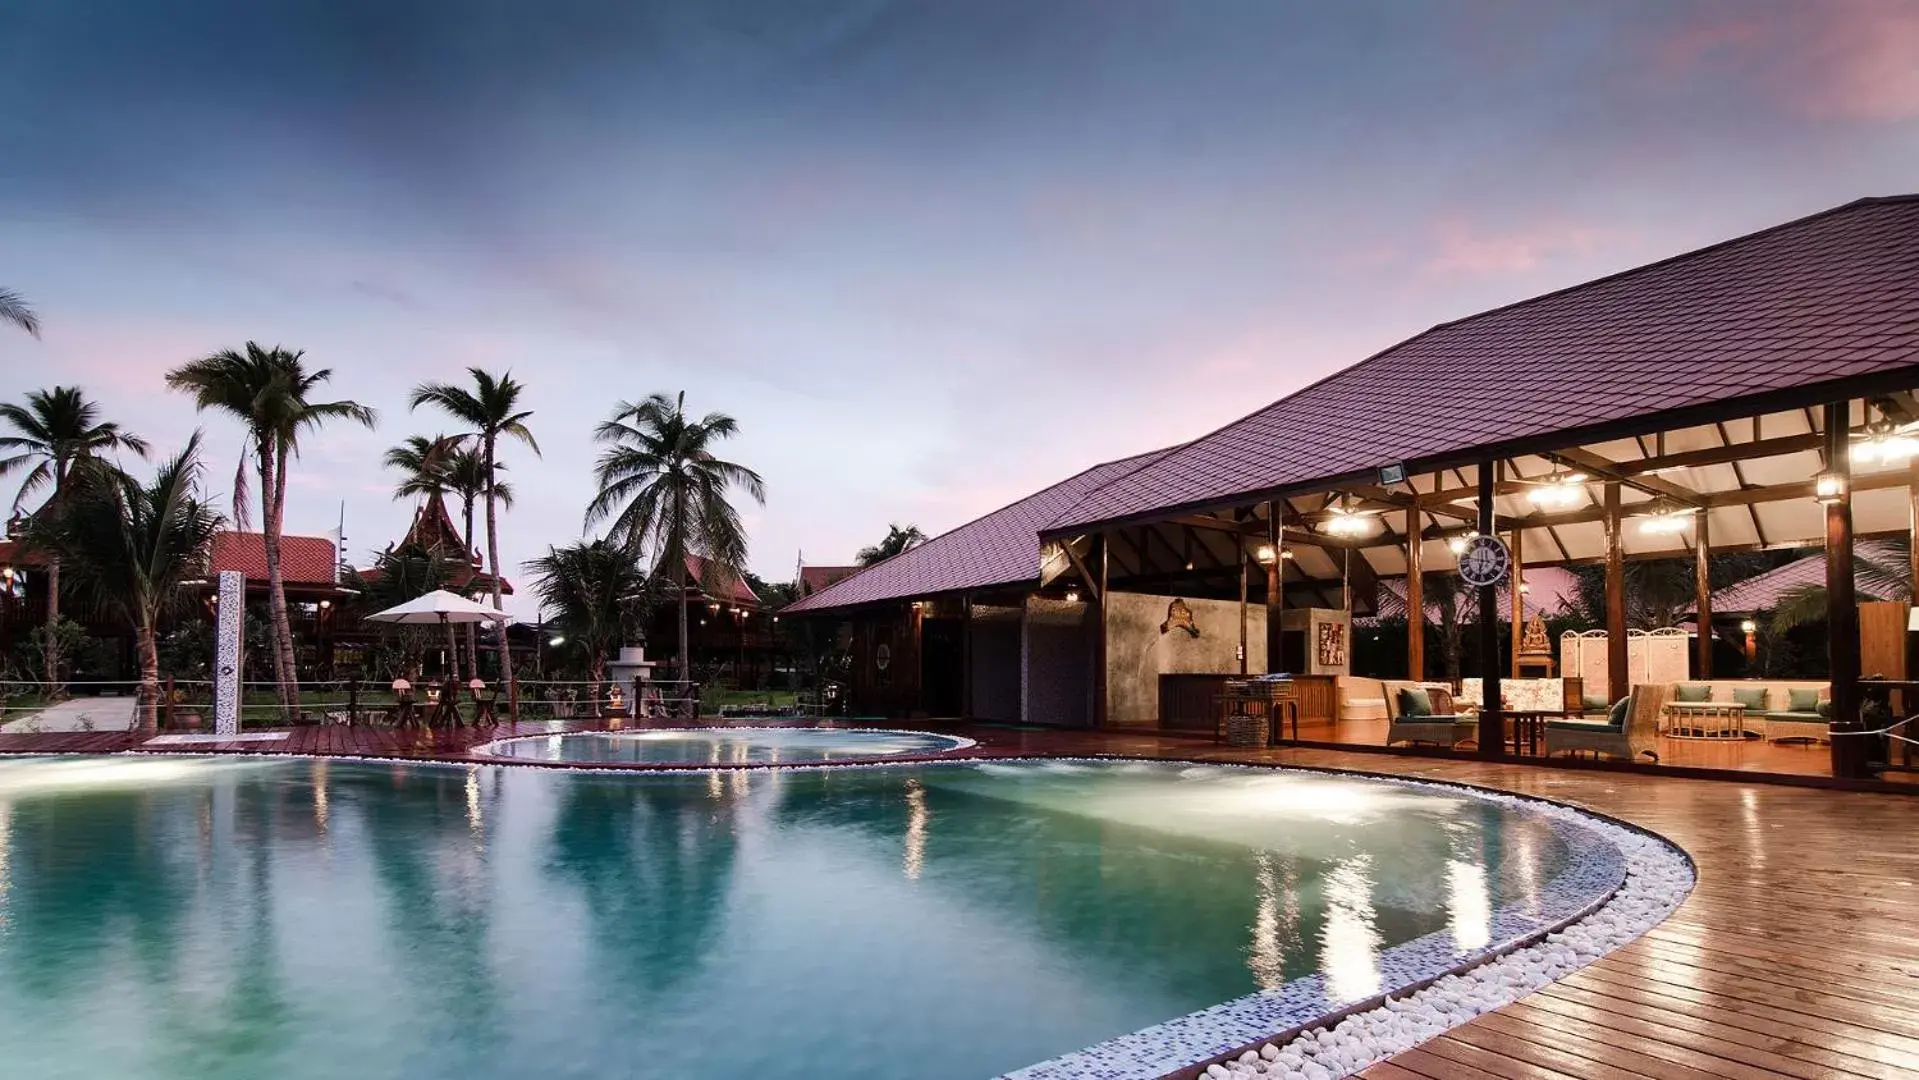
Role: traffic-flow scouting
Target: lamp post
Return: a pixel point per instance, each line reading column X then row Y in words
column 1750, row 629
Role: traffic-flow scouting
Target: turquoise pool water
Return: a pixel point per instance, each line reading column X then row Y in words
column 723, row 746
column 299, row 919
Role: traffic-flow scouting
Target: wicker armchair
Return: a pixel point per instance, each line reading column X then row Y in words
column 1638, row 735
column 1449, row 730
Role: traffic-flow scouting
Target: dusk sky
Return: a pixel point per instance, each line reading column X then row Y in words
column 931, row 256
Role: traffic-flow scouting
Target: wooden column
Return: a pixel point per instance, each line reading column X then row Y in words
column 1275, row 583
column 1239, row 539
column 1702, row 594
column 1618, row 675
column 1101, row 719
column 1492, row 721
column 1842, row 611
column 1415, row 599
column 1516, row 594
column 966, row 656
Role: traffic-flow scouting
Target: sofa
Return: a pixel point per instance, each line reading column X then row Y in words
column 1629, row 729
column 1360, row 697
column 1778, row 709
column 1444, row 729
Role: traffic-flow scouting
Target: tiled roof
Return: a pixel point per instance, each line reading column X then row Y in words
column 304, row 560
column 1551, row 589
column 815, row 578
column 1001, row 548
column 730, row 590
column 1829, row 297
column 14, row 553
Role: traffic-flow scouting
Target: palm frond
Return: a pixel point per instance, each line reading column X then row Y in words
column 14, row 309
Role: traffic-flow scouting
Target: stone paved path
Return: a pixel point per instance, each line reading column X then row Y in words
column 78, row 714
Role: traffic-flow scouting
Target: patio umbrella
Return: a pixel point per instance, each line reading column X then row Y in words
column 439, row 608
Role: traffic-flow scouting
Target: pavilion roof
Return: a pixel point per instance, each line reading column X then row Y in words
column 304, row 560
column 1762, row 592
column 999, row 549
column 1737, row 328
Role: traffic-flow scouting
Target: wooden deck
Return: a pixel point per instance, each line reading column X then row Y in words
column 1796, row 956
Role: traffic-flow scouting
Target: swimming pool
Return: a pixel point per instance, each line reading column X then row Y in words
column 301, row 918
column 723, row 746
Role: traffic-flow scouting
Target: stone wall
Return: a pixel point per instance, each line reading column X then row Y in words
column 1138, row 653
column 1057, row 675
column 996, row 662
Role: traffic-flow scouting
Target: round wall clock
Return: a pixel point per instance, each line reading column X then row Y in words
column 1485, row 561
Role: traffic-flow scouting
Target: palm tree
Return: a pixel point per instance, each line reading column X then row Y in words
column 666, row 494
column 15, row 310
column 421, row 462
column 590, row 585
column 267, row 390
column 466, row 477
column 1880, row 571
column 408, row 572
column 54, row 433
column 130, row 548
column 492, row 409
column 898, row 539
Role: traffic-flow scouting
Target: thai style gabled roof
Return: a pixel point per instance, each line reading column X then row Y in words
column 726, row 588
column 304, row 560
column 1829, row 301
column 1000, row 549
column 814, row 578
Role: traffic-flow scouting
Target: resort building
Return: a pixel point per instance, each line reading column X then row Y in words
column 1749, row 396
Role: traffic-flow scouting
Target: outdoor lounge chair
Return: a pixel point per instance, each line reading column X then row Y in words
column 1447, row 730
column 1634, row 732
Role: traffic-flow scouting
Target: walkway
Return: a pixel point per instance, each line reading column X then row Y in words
column 1796, row 956
column 78, row 714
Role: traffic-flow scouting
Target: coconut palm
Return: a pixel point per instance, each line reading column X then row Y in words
column 1881, row 571
column 15, row 310
column 55, row 432
column 421, row 462
column 268, row 391
column 130, row 548
column 666, row 494
column 591, row 586
column 408, row 572
column 491, row 407
column 466, row 477
column 898, row 539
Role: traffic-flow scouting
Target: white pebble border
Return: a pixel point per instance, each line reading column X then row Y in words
column 1658, row 878
column 953, row 742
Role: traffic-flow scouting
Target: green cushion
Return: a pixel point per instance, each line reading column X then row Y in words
column 1801, row 717
column 1580, row 725
column 1752, row 697
column 1415, row 702
column 1802, row 700
column 1692, row 692
column 1616, row 716
column 1825, row 710
column 1595, row 702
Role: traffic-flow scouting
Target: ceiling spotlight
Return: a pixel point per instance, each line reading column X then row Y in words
column 1266, row 555
column 1667, row 521
column 1458, row 543
column 1559, row 491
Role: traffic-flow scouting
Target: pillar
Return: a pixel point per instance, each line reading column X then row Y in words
column 966, row 656
column 1842, row 613
column 1275, row 582
column 1702, row 595
column 1245, row 574
column 1516, row 595
column 1492, row 721
column 226, row 650
column 1415, row 598
column 1100, row 705
column 1618, row 673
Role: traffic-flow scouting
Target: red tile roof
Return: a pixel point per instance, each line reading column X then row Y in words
column 1002, row 548
column 815, row 578
column 728, row 590
column 304, row 560
column 1826, row 298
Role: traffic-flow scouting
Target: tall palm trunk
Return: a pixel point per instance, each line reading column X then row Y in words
column 493, row 564
column 53, row 625
column 273, row 489
column 149, row 718
column 472, row 634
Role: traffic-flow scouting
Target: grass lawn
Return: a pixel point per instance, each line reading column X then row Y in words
column 715, row 699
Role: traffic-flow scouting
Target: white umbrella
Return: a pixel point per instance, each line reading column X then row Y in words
column 438, row 608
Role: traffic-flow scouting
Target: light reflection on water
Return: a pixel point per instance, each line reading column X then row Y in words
column 305, row 919
column 735, row 746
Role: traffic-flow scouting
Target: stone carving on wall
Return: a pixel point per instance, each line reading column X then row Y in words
column 1179, row 616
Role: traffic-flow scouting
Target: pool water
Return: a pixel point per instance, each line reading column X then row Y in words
column 723, row 746
column 175, row 917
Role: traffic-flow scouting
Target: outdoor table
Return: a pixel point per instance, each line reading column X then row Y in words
column 1704, row 719
column 483, row 707
column 1529, row 727
column 406, row 713
column 1269, row 700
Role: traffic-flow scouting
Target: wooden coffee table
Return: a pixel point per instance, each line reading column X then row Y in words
column 1704, row 719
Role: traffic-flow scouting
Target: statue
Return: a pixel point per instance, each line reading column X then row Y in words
column 1179, row 616
column 1535, row 648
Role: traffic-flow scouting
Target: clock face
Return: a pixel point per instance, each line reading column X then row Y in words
column 1485, row 561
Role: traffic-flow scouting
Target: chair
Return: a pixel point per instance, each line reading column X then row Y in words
column 1447, row 730
column 1638, row 732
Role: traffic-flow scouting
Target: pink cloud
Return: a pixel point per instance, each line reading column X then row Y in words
column 1852, row 60
column 1461, row 248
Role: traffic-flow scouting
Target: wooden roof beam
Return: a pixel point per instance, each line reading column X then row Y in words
column 1651, row 485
